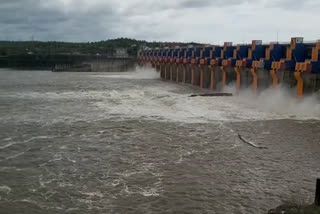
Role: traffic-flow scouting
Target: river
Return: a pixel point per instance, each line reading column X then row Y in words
column 131, row 143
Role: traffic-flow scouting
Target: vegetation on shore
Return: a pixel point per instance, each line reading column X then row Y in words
column 8, row 48
column 46, row 54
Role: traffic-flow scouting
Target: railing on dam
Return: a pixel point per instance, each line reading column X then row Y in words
column 256, row 65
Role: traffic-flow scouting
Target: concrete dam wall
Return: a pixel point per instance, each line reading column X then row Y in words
column 257, row 66
column 97, row 65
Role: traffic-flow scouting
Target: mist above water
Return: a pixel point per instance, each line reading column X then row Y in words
column 146, row 72
column 280, row 100
column 171, row 100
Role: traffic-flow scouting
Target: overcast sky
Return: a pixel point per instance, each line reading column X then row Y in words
column 206, row 21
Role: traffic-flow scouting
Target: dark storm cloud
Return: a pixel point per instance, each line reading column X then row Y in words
column 24, row 11
column 84, row 20
column 24, row 19
column 21, row 19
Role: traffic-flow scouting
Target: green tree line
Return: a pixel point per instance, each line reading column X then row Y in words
column 38, row 53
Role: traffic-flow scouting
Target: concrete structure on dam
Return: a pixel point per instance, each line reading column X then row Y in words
column 97, row 64
column 257, row 66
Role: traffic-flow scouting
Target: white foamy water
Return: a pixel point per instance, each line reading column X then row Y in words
column 5, row 189
column 155, row 99
column 171, row 101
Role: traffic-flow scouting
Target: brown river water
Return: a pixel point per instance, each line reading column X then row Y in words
column 132, row 143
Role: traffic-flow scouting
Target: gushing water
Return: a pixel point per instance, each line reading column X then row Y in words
column 132, row 143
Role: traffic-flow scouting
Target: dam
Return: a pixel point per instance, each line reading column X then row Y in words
column 256, row 66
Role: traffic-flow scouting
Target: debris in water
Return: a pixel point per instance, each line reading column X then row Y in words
column 250, row 143
column 212, row 95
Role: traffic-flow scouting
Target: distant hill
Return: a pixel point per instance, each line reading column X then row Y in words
column 37, row 54
column 107, row 47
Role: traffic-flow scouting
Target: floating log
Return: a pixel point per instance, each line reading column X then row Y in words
column 212, row 95
column 250, row 143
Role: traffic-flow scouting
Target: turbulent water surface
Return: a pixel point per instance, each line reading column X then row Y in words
column 131, row 143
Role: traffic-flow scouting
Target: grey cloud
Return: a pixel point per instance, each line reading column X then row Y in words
column 28, row 11
column 84, row 20
column 214, row 3
column 292, row 4
column 142, row 7
column 31, row 17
